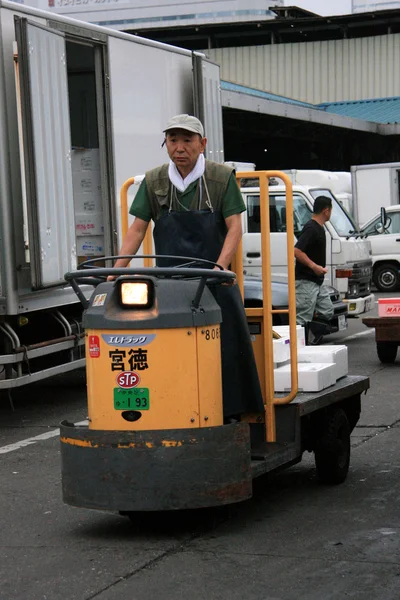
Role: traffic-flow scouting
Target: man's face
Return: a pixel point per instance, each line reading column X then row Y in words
column 184, row 148
column 328, row 213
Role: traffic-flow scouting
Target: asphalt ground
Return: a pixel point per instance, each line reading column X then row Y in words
column 295, row 539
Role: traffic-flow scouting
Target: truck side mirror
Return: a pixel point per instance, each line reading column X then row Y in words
column 385, row 221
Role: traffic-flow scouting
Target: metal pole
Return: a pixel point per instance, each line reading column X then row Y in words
column 8, row 262
column 270, row 425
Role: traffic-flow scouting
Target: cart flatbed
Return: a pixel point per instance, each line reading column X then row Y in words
column 290, row 433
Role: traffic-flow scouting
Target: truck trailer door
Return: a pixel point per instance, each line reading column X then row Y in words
column 208, row 106
column 46, row 149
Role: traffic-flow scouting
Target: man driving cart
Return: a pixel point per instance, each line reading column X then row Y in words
column 196, row 205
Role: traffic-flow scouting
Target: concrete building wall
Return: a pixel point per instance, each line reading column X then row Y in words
column 143, row 14
column 371, row 5
column 323, row 71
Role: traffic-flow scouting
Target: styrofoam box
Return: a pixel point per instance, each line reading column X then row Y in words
column 90, row 245
column 87, row 203
column 89, row 224
column 312, row 377
column 85, row 159
column 86, row 182
column 281, row 350
column 389, row 307
column 326, row 354
column 283, row 331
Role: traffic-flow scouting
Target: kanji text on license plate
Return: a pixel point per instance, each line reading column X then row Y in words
column 131, row 399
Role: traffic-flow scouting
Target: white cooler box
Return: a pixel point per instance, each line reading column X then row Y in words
column 283, row 331
column 312, row 377
column 281, row 350
column 326, row 354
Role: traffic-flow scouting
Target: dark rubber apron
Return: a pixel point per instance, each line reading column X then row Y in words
column 201, row 234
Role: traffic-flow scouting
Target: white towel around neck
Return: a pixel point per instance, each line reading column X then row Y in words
column 176, row 178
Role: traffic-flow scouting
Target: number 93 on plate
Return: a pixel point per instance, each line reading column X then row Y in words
column 131, row 399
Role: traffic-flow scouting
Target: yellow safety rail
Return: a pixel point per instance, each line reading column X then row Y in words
column 147, row 242
column 237, row 266
column 266, row 312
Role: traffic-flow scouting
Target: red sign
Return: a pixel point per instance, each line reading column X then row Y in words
column 94, row 346
column 128, row 379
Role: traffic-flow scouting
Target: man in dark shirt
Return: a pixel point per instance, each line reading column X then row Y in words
column 310, row 253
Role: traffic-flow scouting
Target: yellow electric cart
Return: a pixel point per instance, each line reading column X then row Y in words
column 156, row 437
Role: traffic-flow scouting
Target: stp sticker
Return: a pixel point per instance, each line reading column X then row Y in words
column 127, row 379
column 94, row 346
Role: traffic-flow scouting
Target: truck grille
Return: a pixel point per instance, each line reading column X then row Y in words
column 362, row 271
column 362, row 276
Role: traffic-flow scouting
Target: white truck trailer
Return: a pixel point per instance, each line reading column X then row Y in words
column 348, row 257
column 374, row 186
column 82, row 109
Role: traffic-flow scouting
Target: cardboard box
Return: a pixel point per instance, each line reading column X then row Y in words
column 389, row 307
column 312, row 377
column 84, row 182
column 87, row 203
column 90, row 245
column 337, row 355
column 85, row 159
column 283, row 331
column 89, row 224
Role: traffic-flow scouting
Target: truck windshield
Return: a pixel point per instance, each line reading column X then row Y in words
column 340, row 219
column 277, row 213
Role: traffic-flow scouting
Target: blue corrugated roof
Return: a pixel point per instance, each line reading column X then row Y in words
column 234, row 87
column 377, row 110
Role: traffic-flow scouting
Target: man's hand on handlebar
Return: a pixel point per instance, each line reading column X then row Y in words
column 229, row 283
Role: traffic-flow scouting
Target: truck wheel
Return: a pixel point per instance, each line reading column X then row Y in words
column 332, row 452
column 386, row 277
column 387, row 351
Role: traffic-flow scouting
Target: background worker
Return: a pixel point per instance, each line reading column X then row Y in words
column 195, row 205
column 310, row 253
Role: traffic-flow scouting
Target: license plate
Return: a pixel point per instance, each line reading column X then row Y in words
column 342, row 322
column 368, row 305
column 132, row 399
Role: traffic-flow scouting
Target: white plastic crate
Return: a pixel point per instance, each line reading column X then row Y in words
column 312, row 377
column 326, row 354
column 281, row 350
column 283, row 331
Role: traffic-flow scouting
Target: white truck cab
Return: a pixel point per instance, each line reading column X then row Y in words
column 385, row 244
column 348, row 258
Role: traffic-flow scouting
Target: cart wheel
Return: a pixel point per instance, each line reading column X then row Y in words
column 332, row 452
column 387, row 351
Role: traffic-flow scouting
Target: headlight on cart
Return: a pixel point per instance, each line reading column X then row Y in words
column 136, row 294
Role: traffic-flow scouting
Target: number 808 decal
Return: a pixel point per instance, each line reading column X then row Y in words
column 212, row 334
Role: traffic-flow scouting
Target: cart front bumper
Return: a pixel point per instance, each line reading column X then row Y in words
column 155, row 470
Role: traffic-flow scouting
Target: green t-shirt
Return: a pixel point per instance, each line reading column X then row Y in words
column 232, row 203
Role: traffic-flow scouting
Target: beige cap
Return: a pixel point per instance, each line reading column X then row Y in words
column 186, row 122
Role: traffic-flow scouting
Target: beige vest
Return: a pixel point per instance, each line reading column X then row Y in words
column 159, row 188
